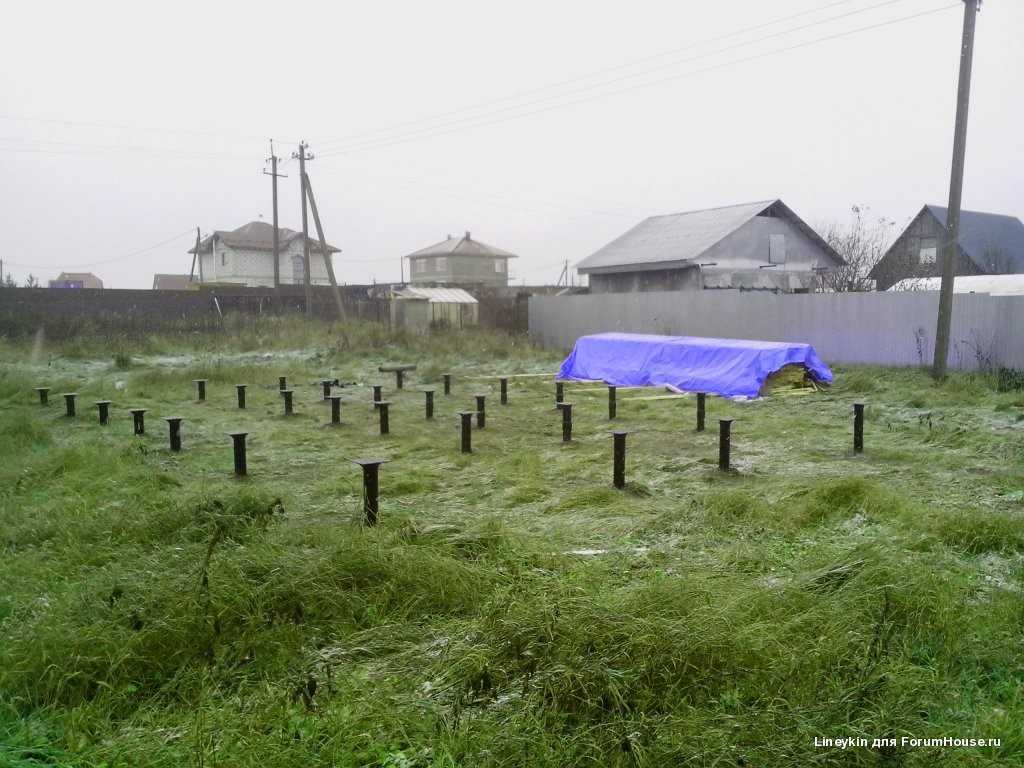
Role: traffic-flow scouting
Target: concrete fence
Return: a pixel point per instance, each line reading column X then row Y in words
column 876, row 328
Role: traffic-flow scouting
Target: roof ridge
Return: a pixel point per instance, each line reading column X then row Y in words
column 766, row 203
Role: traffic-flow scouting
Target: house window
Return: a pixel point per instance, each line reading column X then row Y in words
column 298, row 272
column 441, row 264
column 928, row 252
column 776, row 249
column 499, row 266
column 223, row 258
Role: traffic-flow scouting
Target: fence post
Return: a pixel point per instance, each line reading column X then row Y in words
column 700, row 411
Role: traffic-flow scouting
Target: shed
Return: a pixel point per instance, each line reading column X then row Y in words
column 420, row 308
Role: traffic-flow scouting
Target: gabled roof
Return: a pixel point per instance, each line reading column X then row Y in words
column 436, row 295
column 992, row 241
column 462, row 246
column 257, row 236
column 162, row 282
column 685, row 236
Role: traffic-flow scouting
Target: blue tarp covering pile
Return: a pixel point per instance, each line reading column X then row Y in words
column 727, row 367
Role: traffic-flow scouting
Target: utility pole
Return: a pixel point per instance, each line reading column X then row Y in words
column 323, row 247
column 302, row 158
column 277, row 241
column 195, row 258
column 956, row 183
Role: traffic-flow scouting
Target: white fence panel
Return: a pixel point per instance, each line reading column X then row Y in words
column 878, row 328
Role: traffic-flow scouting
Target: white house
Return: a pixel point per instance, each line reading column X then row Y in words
column 245, row 256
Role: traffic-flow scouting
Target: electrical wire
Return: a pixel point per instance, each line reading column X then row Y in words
column 428, row 129
column 647, row 84
column 134, row 128
column 138, row 252
column 581, row 78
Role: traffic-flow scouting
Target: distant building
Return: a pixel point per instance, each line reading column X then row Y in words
column 76, row 280
column 173, row 282
column 245, row 256
column 460, row 261
column 988, row 244
column 754, row 246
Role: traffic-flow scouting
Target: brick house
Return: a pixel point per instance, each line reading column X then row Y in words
column 245, row 256
column 460, row 261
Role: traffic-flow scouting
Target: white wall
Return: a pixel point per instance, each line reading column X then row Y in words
column 880, row 328
column 256, row 268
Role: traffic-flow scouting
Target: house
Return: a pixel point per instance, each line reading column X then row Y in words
column 987, row 244
column 994, row 285
column 245, row 256
column 460, row 261
column 173, row 282
column 76, row 280
column 754, row 246
column 420, row 308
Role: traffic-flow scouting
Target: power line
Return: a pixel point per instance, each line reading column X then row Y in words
column 138, row 252
column 581, row 78
column 92, row 149
column 636, row 86
column 631, row 76
column 134, row 128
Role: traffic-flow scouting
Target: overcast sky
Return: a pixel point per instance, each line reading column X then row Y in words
column 545, row 128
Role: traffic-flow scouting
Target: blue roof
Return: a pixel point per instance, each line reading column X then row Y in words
column 995, row 243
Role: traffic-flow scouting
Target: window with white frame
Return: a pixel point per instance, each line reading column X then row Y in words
column 499, row 266
column 441, row 263
column 929, row 251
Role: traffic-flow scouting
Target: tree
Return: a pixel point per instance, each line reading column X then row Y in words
column 9, row 281
column 861, row 242
column 32, row 281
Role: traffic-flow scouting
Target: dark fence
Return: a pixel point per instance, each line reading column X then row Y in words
column 68, row 312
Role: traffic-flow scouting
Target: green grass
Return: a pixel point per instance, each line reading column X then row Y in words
column 511, row 608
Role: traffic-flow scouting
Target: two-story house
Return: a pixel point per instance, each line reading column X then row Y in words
column 460, row 261
column 245, row 256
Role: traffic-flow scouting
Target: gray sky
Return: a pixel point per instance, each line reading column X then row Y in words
column 126, row 124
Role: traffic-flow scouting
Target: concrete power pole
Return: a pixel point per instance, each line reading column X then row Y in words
column 277, row 239
column 303, row 156
column 956, row 183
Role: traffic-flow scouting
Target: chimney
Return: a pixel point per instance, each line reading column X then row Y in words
column 467, row 235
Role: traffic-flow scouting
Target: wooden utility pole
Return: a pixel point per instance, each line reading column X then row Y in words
column 303, row 157
column 323, row 247
column 195, row 257
column 956, row 183
column 277, row 237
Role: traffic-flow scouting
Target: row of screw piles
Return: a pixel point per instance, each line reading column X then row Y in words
column 371, row 467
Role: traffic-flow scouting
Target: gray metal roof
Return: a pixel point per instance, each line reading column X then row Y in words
column 257, row 236
column 685, row 236
column 462, row 246
column 992, row 241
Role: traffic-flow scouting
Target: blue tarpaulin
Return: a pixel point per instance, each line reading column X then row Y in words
column 727, row 367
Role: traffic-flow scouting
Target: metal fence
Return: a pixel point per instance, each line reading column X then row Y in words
column 875, row 328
